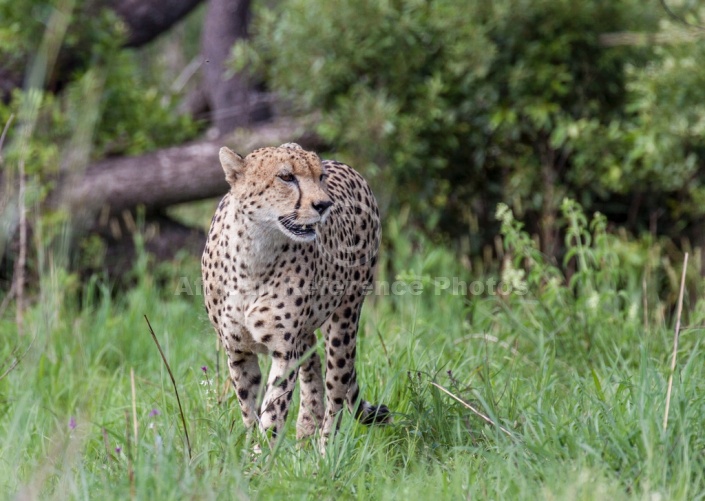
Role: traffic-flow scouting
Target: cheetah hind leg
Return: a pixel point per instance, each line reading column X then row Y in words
column 246, row 377
column 365, row 412
column 341, row 378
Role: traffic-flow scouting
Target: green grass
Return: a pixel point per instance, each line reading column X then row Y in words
column 577, row 373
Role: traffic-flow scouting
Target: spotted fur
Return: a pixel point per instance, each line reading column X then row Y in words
column 291, row 249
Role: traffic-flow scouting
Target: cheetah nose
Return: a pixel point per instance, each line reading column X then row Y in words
column 321, row 206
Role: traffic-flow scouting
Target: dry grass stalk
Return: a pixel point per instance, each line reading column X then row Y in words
column 134, row 406
column 645, row 302
column 128, row 447
column 15, row 359
column 4, row 132
column 676, row 335
column 474, row 410
column 22, row 257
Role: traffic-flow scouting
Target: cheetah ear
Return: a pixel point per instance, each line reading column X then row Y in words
column 233, row 164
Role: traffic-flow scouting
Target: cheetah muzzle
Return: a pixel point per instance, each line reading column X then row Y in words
column 291, row 249
column 298, row 232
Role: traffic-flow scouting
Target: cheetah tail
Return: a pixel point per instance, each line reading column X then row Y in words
column 369, row 414
column 365, row 412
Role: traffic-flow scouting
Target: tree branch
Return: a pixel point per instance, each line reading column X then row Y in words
column 147, row 19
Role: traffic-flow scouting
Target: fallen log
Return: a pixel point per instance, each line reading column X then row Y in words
column 170, row 176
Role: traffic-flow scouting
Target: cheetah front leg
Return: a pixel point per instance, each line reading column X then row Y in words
column 243, row 367
column 280, row 388
column 311, row 405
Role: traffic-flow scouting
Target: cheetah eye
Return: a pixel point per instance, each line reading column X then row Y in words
column 287, row 177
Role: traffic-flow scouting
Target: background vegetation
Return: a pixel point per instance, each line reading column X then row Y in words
column 457, row 106
column 551, row 147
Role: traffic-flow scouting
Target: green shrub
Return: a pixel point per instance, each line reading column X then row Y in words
column 456, row 105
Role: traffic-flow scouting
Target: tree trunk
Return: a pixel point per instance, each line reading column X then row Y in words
column 232, row 101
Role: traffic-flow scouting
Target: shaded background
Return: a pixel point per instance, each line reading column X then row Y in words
column 447, row 107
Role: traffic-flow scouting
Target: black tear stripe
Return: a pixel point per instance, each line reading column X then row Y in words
column 298, row 202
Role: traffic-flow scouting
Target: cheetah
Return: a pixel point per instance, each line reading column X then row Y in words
column 291, row 249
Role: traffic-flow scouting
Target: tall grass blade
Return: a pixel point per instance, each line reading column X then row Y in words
column 173, row 382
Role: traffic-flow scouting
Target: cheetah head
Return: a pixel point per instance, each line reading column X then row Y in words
column 283, row 187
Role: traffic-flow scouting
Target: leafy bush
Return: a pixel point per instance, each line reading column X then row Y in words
column 597, row 295
column 455, row 105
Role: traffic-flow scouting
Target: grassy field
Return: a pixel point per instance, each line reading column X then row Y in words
column 571, row 372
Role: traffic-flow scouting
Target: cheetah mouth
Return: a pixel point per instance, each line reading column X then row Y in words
column 299, row 232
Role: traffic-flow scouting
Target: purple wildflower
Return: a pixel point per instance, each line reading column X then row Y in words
column 118, row 449
column 205, row 369
column 155, row 412
column 72, row 423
